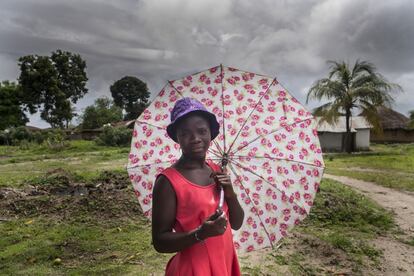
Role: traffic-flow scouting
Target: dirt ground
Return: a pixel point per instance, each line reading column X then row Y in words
column 398, row 257
column 61, row 197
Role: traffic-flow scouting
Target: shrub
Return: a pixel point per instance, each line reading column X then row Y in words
column 14, row 135
column 114, row 136
column 21, row 136
column 5, row 137
column 21, row 133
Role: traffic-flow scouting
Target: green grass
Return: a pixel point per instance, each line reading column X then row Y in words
column 386, row 179
column 395, row 157
column 84, row 248
column 85, row 158
column 340, row 206
column 406, row 239
column 410, row 242
column 102, row 233
column 387, row 165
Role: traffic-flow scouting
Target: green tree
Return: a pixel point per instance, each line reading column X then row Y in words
column 131, row 94
column 102, row 112
column 346, row 89
column 52, row 84
column 11, row 111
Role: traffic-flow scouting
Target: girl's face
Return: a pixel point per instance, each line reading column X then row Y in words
column 193, row 135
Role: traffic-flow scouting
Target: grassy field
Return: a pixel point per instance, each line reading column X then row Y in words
column 84, row 158
column 387, row 165
column 64, row 213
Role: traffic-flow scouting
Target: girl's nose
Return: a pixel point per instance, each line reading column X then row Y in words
column 195, row 138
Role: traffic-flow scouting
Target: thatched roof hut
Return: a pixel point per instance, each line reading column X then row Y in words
column 395, row 127
column 391, row 119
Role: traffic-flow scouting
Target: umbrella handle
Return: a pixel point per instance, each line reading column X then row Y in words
column 223, row 166
column 220, row 206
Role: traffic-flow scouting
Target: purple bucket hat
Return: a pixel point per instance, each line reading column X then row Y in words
column 186, row 106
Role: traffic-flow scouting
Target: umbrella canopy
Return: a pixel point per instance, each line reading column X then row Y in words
column 269, row 138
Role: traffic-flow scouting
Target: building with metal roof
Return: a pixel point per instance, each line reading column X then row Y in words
column 332, row 136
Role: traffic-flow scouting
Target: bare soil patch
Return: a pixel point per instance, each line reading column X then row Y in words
column 61, row 196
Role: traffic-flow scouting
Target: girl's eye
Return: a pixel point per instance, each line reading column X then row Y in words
column 182, row 134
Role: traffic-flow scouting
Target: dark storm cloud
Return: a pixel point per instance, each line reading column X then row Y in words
column 161, row 40
column 380, row 31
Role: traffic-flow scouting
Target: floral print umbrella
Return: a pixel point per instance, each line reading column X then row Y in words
column 270, row 140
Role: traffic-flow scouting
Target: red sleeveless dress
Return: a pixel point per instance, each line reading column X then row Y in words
column 215, row 256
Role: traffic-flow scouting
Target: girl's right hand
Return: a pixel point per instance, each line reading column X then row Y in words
column 215, row 225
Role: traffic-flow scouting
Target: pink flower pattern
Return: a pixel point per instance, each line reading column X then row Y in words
column 276, row 159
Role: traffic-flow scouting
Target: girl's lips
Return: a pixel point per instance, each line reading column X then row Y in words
column 197, row 149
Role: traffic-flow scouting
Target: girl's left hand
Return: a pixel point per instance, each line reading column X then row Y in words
column 223, row 180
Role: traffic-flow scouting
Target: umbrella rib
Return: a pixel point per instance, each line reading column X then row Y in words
column 257, row 214
column 214, row 153
column 287, row 91
column 214, row 159
column 145, row 123
column 218, row 146
column 147, row 165
column 281, row 159
column 162, row 162
column 171, row 84
column 222, row 106
column 248, row 117
column 262, row 136
column 153, row 100
column 274, row 186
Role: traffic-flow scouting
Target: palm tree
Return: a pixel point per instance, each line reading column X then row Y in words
column 348, row 89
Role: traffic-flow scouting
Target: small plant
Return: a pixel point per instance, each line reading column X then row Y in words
column 25, row 144
column 56, row 140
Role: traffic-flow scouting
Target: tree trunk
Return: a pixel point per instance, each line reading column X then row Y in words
column 348, row 135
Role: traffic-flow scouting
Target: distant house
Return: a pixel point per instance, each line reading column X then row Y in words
column 128, row 124
column 83, row 134
column 332, row 136
column 90, row 134
column 395, row 128
column 33, row 128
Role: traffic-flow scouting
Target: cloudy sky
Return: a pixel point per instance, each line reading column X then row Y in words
column 164, row 40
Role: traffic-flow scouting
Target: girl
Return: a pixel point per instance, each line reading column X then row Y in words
column 185, row 216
